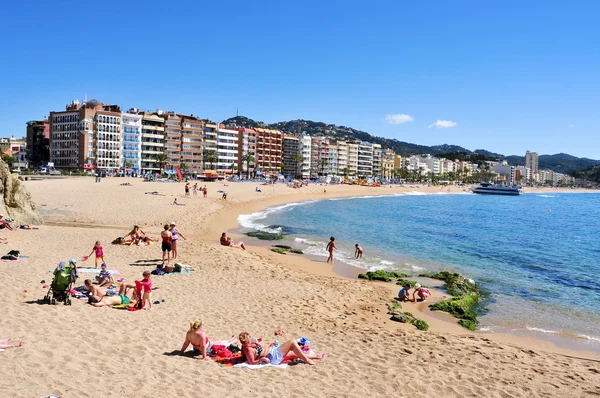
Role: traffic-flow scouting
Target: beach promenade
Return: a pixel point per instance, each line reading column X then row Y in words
column 81, row 351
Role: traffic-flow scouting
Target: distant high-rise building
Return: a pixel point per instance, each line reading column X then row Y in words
column 531, row 161
column 131, row 142
column 38, row 142
column 291, row 156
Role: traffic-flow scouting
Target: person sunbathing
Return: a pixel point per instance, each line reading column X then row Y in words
column 95, row 292
column 256, row 354
column 137, row 235
column 7, row 343
column 196, row 336
column 108, row 301
column 5, row 224
column 227, row 241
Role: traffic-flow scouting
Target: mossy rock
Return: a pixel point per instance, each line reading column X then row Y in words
column 471, row 325
column 396, row 274
column 379, row 275
column 409, row 314
column 398, row 316
column 278, row 250
column 420, row 324
column 283, row 247
column 363, row 276
column 265, row 235
column 393, row 307
column 454, row 283
column 296, row 251
column 404, row 282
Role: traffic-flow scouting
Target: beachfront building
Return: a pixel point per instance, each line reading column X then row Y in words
column 332, row 160
column 291, row 156
column 352, row 158
column 227, row 150
column 365, row 159
column 38, row 142
column 377, row 160
column 86, row 135
column 17, row 148
column 531, row 161
column 305, row 147
column 342, row 158
column 190, row 159
column 387, row 164
column 131, row 141
column 209, row 145
column 246, row 150
column 269, row 150
column 153, row 141
column 172, row 148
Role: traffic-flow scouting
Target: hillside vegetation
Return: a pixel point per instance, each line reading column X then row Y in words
column 560, row 162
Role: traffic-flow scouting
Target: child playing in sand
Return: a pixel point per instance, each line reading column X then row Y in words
column 421, row 292
column 330, row 249
column 177, row 204
column 358, row 252
column 99, row 253
column 104, row 277
column 403, row 294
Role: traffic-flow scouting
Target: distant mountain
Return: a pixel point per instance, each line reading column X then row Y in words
column 560, row 162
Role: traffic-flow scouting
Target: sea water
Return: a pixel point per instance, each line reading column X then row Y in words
column 536, row 256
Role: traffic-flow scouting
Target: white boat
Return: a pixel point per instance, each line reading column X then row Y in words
column 491, row 189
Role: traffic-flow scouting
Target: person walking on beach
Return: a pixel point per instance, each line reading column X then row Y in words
column 175, row 237
column 187, row 189
column 195, row 188
column 167, row 238
column 205, row 191
column 330, row 249
column 99, row 253
column 358, row 252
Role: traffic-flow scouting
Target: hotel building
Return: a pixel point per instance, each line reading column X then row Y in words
column 227, row 150
column 269, row 150
column 305, row 144
column 365, row 159
column 352, row 158
column 131, row 141
column 209, row 148
column 246, row 148
column 172, row 148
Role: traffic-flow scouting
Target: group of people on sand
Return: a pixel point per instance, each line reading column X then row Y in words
column 169, row 238
column 140, row 291
column 252, row 351
column 404, row 293
column 195, row 189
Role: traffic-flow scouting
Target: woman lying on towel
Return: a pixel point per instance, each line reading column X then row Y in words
column 199, row 340
column 256, row 354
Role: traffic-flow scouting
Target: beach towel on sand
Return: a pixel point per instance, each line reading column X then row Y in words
column 96, row 271
column 264, row 365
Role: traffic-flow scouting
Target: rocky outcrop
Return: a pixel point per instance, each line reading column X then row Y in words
column 15, row 201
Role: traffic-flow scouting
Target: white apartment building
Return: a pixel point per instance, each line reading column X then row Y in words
column 332, row 161
column 352, row 158
column 377, row 160
column 227, row 150
column 107, row 150
column 365, row 159
column 305, row 148
column 433, row 164
column 131, row 142
column 342, row 148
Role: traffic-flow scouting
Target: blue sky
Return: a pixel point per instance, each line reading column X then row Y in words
column 505, row 76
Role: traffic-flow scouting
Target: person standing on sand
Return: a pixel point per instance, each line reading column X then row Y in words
column 187, row 189
column 330, row 249
column 205, row 191
column 358, row 252
column 167, row 239
column 175, row 237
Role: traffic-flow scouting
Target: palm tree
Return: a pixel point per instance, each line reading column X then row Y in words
column 184, row 167
column 161, row 158
column 247, row 159
column 233, row 167
column 322, row 164
column 211, row 158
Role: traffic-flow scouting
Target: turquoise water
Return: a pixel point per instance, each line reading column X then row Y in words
column 537, row 256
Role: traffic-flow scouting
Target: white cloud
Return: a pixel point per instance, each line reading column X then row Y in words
column 442, row 124
column 399, row 118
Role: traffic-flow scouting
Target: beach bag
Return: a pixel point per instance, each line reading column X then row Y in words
column 221, row 351
column 118, row 241
column 14, row 253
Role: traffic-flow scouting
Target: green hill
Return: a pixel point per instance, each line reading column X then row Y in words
column 560, row 162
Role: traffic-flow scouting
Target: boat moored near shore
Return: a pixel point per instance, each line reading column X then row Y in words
column 491, row 189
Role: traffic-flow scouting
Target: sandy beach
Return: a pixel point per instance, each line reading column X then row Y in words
column 81, row 351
